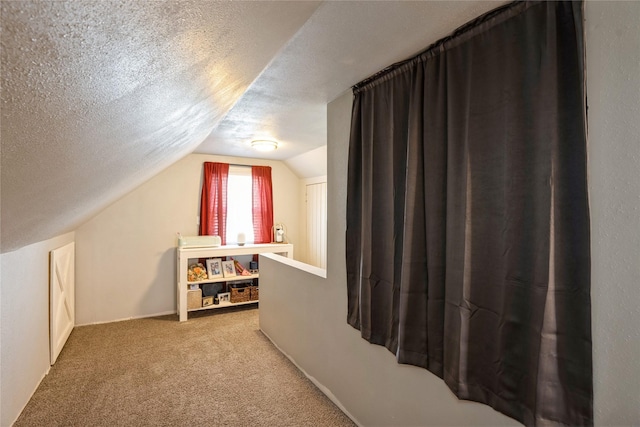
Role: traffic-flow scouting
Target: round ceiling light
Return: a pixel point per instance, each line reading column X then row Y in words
column 264, row 145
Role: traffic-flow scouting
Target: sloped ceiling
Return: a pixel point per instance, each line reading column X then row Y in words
column 97, row 97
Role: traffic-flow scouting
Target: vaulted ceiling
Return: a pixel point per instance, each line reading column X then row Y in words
column 98, row 97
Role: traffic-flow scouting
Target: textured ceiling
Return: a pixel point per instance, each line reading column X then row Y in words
column 98, row 97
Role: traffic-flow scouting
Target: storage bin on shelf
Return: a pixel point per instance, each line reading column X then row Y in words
column 240, row 292
column 194, row 299
column 254, row 294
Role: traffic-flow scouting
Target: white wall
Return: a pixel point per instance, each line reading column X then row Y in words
column 310, row 164
column 613, row 89
column 305, row 315
column 125, row 262
column 24, row 321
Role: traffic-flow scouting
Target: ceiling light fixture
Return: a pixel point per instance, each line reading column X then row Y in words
column 264, row 145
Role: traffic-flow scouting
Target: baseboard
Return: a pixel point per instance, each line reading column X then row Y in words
column 317, row 383
column 144, row 316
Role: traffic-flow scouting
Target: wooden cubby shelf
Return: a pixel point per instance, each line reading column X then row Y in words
column 187, row 255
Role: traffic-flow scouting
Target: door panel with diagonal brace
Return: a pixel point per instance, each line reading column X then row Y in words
column 62, row 297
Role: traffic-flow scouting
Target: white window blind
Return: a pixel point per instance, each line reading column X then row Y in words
column 239, row 204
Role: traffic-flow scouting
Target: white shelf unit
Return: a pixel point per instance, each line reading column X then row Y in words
column 189, row 255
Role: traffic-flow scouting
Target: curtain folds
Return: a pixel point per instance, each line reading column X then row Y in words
column 213, row 202
column 467, row 243
column 262, row 203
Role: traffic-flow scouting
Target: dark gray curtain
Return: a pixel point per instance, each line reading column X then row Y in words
column 467, row 213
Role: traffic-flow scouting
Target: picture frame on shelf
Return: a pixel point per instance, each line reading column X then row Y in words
column 228, row 269
column 214, row 268
column 224, row 297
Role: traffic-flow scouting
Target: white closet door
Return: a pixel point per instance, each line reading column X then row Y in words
column 62, row 298
column 317, row 224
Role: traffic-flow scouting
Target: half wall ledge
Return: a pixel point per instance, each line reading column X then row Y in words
column 308, row 268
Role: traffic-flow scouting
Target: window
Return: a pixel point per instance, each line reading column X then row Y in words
column 248, row 209
column 239, row 204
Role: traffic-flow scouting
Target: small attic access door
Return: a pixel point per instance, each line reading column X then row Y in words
column 62, row 298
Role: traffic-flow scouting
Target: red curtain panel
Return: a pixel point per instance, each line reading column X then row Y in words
column 262, row 203
column 213, row 203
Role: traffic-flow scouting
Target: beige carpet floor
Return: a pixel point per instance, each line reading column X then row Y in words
column 217, row 369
